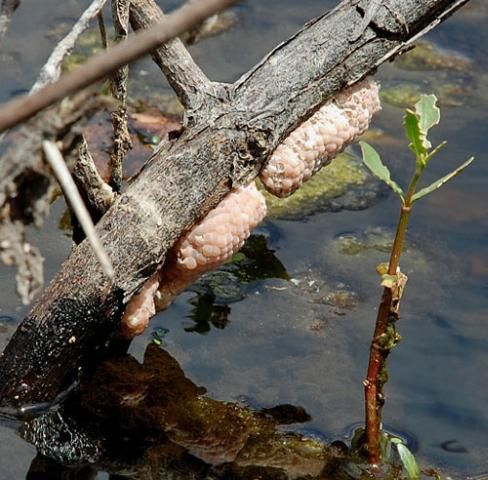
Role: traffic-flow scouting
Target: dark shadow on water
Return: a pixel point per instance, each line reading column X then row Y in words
column 216, row 290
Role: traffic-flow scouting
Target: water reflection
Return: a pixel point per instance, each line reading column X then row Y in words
column 216, row 290
column 136, row 420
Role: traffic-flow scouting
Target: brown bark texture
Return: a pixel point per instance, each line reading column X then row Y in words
column 230, row 132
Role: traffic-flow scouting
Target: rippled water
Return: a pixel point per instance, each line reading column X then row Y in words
column 282, row 343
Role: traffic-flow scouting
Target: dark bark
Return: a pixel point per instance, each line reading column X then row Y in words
column 225, row 147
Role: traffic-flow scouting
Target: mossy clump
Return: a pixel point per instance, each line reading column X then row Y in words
column 333, row 181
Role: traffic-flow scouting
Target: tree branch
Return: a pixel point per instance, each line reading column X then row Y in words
column 190, row 84
column 97, row 68
column 97, row 195
column 118, row 85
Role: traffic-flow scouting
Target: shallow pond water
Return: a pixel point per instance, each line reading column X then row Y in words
column 304, row 340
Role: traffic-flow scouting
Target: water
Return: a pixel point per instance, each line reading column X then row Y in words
column 280, row 344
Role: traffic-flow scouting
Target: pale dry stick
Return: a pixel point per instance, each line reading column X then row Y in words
column 51, row 71
column 6, row 11
column 57, row 163
column 98, row 67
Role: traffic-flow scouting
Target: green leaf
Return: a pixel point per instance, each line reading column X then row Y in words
column 428, row 112
column 411, row 123
column 417, row 125
column 408, row 461
column 373, row 161
column 438, row 183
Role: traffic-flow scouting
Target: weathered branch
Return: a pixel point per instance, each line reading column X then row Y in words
column 97, row 68
column 225, row 149
column 97, row 195
column 190, row 84
column 118, row 85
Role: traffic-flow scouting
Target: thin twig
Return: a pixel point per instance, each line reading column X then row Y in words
column 6, row 11
column 103, row 30
column 51, row 71
column 98, row 67
column 56, row 161
column 385, row 336
column 118, row 85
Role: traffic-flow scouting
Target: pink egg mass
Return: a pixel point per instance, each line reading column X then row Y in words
column 220, row 234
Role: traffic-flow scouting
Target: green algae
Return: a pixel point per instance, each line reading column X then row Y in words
column 374, row 239
column 428, row 56
column 333, row 181
column 405, row 94
column 449, row 73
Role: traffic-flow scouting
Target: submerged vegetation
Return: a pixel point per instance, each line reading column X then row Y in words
column 450, row 77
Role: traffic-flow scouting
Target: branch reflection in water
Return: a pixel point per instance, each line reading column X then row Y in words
column 149, row 421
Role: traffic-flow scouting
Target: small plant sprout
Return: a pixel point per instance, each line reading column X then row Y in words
column 417, row 124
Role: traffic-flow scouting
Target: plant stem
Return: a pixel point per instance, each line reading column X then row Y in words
column 373, row 383
column 385, row 336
